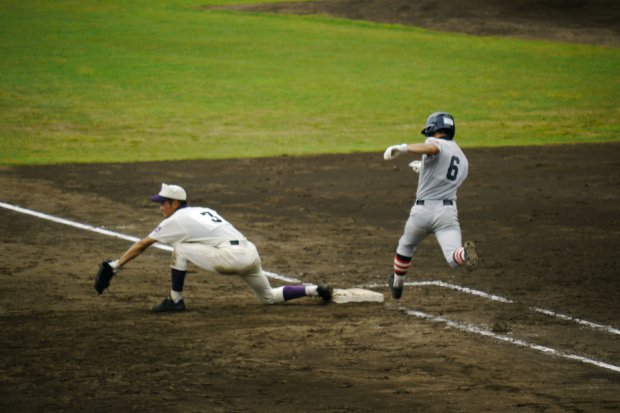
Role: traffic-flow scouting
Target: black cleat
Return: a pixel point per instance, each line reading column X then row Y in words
column 168, row 305
column 397, row 292
column 471, row 256
column 325, row 291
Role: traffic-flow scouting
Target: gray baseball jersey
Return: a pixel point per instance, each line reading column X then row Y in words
column 442, row 173
column 440, row 177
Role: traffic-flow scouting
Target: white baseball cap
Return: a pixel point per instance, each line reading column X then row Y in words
column 170, row 192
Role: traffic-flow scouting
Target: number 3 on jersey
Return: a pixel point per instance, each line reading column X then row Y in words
column 453, row 170
column 211, row 215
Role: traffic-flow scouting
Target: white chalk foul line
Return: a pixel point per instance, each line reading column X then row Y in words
column 74, row 224
column 454, row 324
column 114, row 234
column 576, row 320
column 281, row 277
column 467, row 290
column 472, row 328
column 492, row 297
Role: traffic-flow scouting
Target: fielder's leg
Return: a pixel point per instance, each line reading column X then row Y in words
column 252, row 274
column 259, row 284
column 174, row 302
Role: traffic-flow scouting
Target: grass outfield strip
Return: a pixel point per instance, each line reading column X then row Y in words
column 94, row 81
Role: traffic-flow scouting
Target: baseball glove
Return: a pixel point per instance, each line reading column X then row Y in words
column 104, row 276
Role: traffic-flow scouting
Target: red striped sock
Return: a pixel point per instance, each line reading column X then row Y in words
column 401, row 264
column 459, row 256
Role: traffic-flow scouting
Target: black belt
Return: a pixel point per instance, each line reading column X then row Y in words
column 445, row 202
column 234, row 242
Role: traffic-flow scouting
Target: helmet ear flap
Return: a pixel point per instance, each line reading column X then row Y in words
column 427, row 131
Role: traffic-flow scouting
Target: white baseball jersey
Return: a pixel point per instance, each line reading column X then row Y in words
column 195, row 224
column 201, row 236
column 442, row 173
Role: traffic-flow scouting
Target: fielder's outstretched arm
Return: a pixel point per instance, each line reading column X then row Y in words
column 108, row 268
column 136, row 249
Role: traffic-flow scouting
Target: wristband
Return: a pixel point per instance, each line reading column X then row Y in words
column 114, row 265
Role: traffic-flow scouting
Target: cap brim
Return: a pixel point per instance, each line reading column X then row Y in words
column 158, row 198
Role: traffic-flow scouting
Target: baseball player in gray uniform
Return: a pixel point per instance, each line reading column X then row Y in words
column 201, row 236
column 442, row 170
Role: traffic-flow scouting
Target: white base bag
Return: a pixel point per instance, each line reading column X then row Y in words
column 356, row 295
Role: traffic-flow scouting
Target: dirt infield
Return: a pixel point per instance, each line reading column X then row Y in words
column 545, row 220
column 574, row 21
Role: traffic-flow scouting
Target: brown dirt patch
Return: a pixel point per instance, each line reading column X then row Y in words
column 575, row 21
column 545, row 220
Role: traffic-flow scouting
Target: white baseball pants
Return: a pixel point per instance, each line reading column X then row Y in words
column 242, row 260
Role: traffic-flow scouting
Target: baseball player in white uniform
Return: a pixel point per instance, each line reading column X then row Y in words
column 201, row 236
column 442, row 170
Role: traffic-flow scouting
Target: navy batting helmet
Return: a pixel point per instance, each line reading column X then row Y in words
column 439, row 121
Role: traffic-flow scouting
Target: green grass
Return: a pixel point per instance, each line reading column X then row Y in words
column 98, row 81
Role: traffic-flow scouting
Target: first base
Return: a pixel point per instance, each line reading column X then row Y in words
column 356, row 295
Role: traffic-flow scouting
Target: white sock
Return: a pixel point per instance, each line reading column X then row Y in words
column 176, row 296
column 311, row 290
column 399, row 280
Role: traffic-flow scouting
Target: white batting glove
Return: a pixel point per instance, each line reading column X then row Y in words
column 416, row 166
column 394, row 151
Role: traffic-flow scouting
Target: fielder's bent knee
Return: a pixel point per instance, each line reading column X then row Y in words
column 272, row 296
